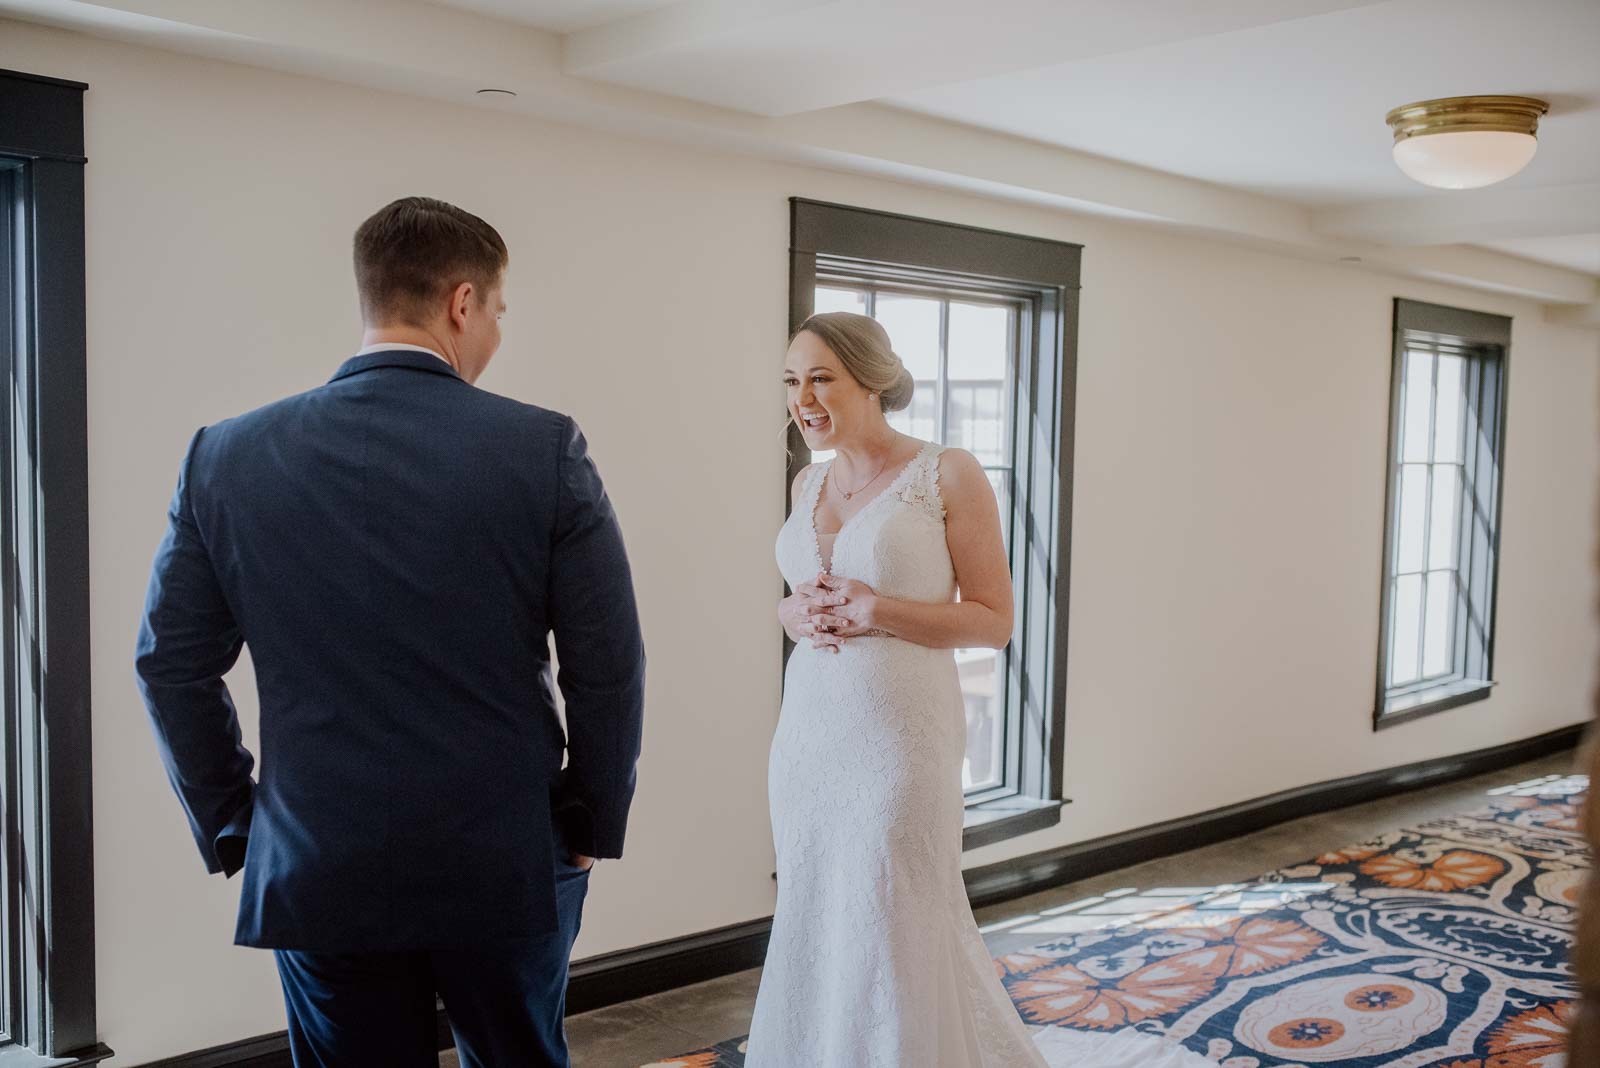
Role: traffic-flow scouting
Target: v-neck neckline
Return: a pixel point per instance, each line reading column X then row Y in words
column 838, row 535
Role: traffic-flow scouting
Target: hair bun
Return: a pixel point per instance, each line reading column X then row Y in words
column 898, row 396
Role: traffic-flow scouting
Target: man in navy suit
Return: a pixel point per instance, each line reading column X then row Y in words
column 397, row 547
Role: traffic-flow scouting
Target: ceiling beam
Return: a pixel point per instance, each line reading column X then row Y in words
column 1481, row 268
column 329, row 39
column 1470, row 216
column 1580, row 315
column 783, row 57
column 615, row 44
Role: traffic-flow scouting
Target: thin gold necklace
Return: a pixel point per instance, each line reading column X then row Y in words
column 851, row 493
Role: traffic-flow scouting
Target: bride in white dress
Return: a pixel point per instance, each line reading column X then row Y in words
column 875, row 959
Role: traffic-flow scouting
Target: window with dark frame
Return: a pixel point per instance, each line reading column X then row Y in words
column 962, row 349
column 47, row 958
column 1442, row 523
column 10, row 758
column 986, row 323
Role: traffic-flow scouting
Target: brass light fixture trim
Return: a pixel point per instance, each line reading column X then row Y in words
column 1468, row 114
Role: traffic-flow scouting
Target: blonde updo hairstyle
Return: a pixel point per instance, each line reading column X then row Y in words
column 862, row 345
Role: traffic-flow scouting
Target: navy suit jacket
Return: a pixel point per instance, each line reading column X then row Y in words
column 396, row 547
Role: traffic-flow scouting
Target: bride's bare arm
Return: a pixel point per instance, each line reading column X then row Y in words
column 982, row 618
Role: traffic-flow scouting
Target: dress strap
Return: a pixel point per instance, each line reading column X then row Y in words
column 813, row 485
column 933, row 478
column 921, row 489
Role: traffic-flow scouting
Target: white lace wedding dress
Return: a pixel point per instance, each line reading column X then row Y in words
column 875, row 959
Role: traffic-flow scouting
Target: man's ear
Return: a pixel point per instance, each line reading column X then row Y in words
column 460, row 300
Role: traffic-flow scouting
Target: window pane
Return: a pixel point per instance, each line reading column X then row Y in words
column 829, row 299
column 1446, row 518
column 1482, row 556
column 1413, row 513
column 1418, row 406
column 1403, row 633
column 979, row 368
column 1448, row 411
column 976, row 423
column 1439, row 626
column 980, row 689
column 1486, row 471
column 921, row 419
column 1001, row 481
column 1446, row 437
column 979, row 341
column 913, row 325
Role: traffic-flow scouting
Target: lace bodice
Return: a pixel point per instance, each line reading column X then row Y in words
column 895, row 543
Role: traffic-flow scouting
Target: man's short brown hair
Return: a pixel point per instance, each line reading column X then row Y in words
column 413, row 252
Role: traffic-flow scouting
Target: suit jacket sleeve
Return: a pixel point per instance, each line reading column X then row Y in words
column 187, row 641
column 600, row 651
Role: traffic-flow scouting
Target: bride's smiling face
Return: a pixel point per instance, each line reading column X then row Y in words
column 826, row 403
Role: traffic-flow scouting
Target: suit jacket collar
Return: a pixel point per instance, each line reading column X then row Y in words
column 408, row 358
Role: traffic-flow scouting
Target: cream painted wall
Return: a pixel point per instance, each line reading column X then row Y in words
column 1229, row 486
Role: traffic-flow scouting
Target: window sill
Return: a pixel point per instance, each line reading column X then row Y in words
column 1407, row 707
column 1007, row 817
column 18, row 1057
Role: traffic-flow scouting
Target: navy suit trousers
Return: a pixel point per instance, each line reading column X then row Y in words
column 506, row 1006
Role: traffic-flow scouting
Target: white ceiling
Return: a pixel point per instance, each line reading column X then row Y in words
column 1281, row 98
column 1257, row 120
column 559, row 16
column 782, row 57
column 1295, row 109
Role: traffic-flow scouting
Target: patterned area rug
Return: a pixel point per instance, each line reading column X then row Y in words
column 1440, row 946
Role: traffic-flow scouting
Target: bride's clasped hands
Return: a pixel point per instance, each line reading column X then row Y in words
column 827, row 610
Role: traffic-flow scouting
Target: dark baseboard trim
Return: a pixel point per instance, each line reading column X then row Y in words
column 264, row 1051
column 634, row 973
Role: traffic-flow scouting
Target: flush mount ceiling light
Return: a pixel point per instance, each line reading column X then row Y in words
column 1463, row 142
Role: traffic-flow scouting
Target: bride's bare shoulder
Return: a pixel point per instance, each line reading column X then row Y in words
column 962, row 480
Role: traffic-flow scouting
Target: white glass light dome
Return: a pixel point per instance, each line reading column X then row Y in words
column 1465, row 160
column 1466, row 142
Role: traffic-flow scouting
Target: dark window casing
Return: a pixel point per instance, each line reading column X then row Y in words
column 838, row 242
column 48, row 855
column 1482, row 343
